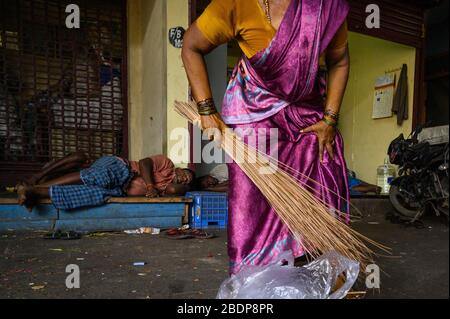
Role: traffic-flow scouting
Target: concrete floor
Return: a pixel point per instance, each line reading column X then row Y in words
column 31, row 267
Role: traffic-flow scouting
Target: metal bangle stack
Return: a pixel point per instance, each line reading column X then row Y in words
column 331, row 118
column 206, row 107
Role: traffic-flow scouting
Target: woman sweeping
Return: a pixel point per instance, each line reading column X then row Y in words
column 292, row 77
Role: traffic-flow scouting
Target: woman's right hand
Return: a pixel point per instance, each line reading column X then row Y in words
column 212, row 125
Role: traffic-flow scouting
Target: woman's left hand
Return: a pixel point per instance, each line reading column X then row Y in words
column 326, row 135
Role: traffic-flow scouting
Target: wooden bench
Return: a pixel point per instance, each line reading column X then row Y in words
column 117, row 215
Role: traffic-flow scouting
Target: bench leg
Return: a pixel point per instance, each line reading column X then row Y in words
column 186, row 214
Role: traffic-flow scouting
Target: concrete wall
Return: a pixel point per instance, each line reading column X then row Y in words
column 147, row 74
column 156, row 74
column 177, row 82
column 134, row 77
column 366, row 139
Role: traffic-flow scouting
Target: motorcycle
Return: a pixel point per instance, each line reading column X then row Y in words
column 422, row 177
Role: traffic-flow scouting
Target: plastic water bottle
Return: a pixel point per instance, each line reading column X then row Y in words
column 385, row 175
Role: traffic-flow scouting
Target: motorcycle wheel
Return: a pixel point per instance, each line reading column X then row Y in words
column 400, row 204
column 443, row 206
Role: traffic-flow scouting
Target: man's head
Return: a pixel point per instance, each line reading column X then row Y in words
column 184, row 176
column 207, row 182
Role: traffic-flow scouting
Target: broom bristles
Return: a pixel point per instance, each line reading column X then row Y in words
column 307, row 217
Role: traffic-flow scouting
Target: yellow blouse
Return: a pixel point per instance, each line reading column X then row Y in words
column 245, row 21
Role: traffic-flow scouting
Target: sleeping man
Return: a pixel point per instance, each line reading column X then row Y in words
column 215, row 181
column 74, row 182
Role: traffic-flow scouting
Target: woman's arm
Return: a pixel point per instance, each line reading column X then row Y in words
column 195, row 47
column 338, row 61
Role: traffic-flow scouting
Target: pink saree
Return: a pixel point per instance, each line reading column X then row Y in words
column 281, row 88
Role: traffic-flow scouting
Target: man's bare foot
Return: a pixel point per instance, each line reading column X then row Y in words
column 21, row 190
column 24, row 195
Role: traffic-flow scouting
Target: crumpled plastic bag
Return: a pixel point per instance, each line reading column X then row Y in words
column 280, row 281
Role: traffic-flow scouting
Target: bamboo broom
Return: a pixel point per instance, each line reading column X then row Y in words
column 307, row 217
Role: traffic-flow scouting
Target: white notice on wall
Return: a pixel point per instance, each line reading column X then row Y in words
column 384, row 97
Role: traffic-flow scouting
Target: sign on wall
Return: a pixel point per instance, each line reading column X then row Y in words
column 384, row 97
column 176, row 36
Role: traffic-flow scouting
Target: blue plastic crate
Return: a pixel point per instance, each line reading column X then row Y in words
column 208, row 210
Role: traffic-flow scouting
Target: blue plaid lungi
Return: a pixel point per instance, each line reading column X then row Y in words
column 107, row 177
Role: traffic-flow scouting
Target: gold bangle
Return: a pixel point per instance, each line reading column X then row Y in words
column 206, row 107
column 205, row 111
column 330, row 113
column 329, row 122
column 205, row 101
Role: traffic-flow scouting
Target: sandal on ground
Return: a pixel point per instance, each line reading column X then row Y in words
column 200, row 234
column 178, row 234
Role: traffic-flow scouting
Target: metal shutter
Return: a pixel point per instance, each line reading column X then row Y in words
column 401, row 21
column 61, row 90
